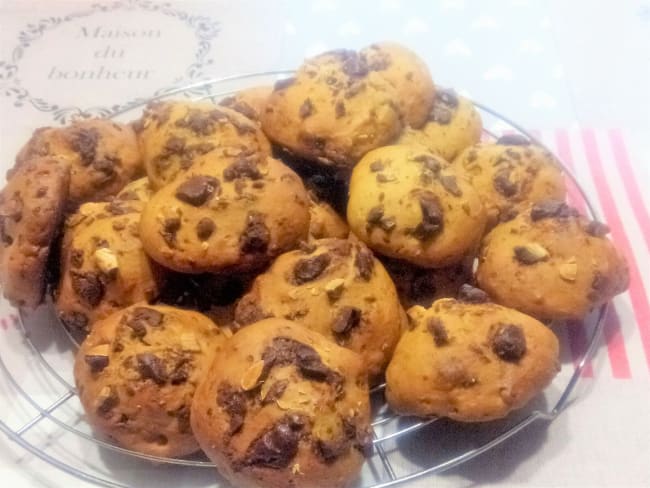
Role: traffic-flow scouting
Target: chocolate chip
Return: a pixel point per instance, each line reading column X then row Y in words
column 438, row 331
column 205, row 228
column 119, row 207
column 309, row 362
column 242, row 168
column 197, row 190
column 432, row 217
column 308, row 269
column 256, row 235
column 239, row 106
column 339, row 109
column 428, row 162
column 330, row 450
column 181, row 370
column 513, row 140
column 450, row 184
column 550, row 208
column 597, row 229
column 282, row 84
column 354, row 65
column 6, row 239
column 364, row 262
column 275, row 391
column 375, row 215
column 376, row 166
column 233, row 403
column 141, row 317
column 248, row 311
column 288, row 351
column 306, row 109
column 151, row 367
column 346, row 319
column 183, row 418
column 363, row 441
column 88, row 287
column 507, row 214
column 471, row 294
column 96, row 362
column 75, row 321
column 276, row 447
column 84, row 142
column 108, row 402
column 502, row 183
column 200, row 122
column 171, row 225
column 509, row 342
column 77, row 258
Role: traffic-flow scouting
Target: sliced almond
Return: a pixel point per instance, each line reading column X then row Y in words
column 251, row 377
column 189, row 343
column 294, row 293
column 106, row 260
column 227, row 331
column 295, row 469
column 334, row 288
column 569, row 270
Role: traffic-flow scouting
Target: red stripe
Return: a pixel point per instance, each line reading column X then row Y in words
column 630, row 183
column 577, row 334
column 615, row 345
column 638, row 295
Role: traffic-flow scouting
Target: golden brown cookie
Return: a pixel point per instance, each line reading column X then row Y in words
column 452, row 125
column 283, row 406
column 337, row 288
column 509, row 174
column 226, row 214
column 173, row 134
column 31, row 210
column 324, row 221
column 407, row 204
column 408, row 74
column 103, row 265
column 551, row 263
column 136, row 374
column 333, row 111
column 249, row 102
column 470, row 362
column 139, row 190
column 103, row 156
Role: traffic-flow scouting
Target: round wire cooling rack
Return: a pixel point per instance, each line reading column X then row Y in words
column 36, row 362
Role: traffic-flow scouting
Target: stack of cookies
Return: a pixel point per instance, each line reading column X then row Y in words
column 242, row 272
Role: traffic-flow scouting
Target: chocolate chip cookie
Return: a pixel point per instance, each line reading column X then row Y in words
column 337, row 288
column 510, row 174
column 408, row 74
column 408, row 204
column 334, row 110
column 103, row 265
column 324, row 221
column 31, row 210
column 471, row 362
column 452, row 125
column 173, row 134
column 551, row 263
column 136, row 374
column 103, row 156
column 284, row 406
column 226, row 214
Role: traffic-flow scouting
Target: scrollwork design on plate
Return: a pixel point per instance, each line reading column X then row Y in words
column 204, row 28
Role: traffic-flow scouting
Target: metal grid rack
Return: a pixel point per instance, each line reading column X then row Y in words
column 389, row 429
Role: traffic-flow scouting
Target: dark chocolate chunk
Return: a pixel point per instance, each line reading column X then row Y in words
column 308, row 269
column 306, row 109
column 509, row 342
column 140, row 318
column 471, row 294
column 109, row 402
column 96, row 362
column 376, row 166
column 183, row 418
column 180, row 372
column 282, row 84
column 248, row 311
column 513, row 140
column 502, row 183
column 256, row 235
column 438, row 331
column 197, row 190
column 205, row 228
column 84, row 142
column 550, row 208
column 309, row 362
column 339, row 109
column 432, row 217
column 428, row 162
column 597, row 229
column 275, row 391
column 375, row 215
column 346, row 319
column 242, row 168
column 354, row 65
column 89, row 287
column 330, row 450
column 200, row 122
column 151, row 367
column 171, row 225
column 450, row 184
column 77, row 258
column 75, row 321
column 364, row 262
column 276, row 447
column 233, row 402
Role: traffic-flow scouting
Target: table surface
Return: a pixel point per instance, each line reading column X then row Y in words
column 575, row 73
